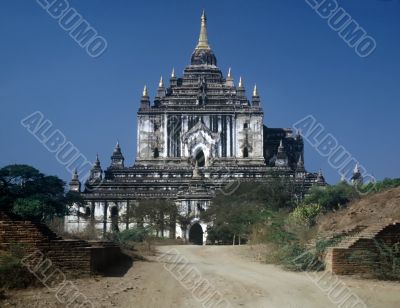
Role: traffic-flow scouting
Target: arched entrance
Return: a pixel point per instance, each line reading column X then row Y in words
column 196, row 234
column 200, row 158
column 245, row 152
column 156, row 153
column 114, row 218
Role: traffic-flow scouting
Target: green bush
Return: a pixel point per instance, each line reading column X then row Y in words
column 127, row 238
column 295, row 256
column 12, row 273
column 331, row 197
column 305, row 214
column 380, row 185
column 29, row 207
column 289, row 249
column 138, row 234
column 384, row 262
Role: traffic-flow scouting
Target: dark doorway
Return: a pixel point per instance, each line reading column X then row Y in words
column 156, row 153
column 114, row 219
column 245, row 152
column 200, row 159
column 196, row 234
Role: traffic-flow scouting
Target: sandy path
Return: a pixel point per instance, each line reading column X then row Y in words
column 251, row 284
column 239, row 281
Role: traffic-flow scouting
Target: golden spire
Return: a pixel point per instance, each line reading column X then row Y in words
column 145, row 91
column 240, row 82
column 203, row 38
column 255, row 93
column 173, row 73
column 229, row 73
column 161, row 83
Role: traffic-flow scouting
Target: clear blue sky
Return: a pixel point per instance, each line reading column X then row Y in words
column 300, row 65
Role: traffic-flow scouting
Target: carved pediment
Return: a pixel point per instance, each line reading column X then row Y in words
column 200, row 133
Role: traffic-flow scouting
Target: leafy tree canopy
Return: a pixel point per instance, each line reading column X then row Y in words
column 234, row 215
column 331, row 197
column 26, row 191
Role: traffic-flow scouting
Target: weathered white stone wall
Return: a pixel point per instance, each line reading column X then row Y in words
column 148, row 138
column 252, row 136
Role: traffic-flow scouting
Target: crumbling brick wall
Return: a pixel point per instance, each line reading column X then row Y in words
column 361, row 255
column 73, row 257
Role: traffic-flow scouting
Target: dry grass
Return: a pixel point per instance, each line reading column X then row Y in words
column 372, row 209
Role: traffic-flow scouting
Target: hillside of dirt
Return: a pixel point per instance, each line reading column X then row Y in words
column 372, row 209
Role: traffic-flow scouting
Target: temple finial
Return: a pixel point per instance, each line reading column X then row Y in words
column 356, row 168
column 161, row 83
column 229, row 73
column 300, row 162
column 255, row 92
column 203, row 38
column 173, row 73
column 97, row 162
column 145, row 91
column 240, row 82
column 75, row 175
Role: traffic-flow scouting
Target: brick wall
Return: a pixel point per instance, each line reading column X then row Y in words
column 360, row 253
column 73, row 257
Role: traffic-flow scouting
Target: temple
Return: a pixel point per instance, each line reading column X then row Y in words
column 201, row 133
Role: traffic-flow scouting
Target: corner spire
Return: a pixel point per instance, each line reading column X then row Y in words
column 96, row 173
column 75, row 184
column 145, row 100
column 75, row 175
column 173, row 73
column 117, row 159
column 240, row 82
column 161, row 83
column 255, row 92
column 229, row 79
column 117, row 147
column 203, row 38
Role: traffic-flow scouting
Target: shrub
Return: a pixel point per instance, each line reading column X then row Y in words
column 12, row 273
column 295, row 256
column 384, row 262
column 289, row 249
column 332, row 197
column 29, row 208
column 380, row 185
column 388, row 266
column 305, row 214
column 138, row 234
column 127, row 238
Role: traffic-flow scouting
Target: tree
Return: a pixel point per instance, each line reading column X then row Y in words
column 29, row 193
column 331, row 197
column 157, row 213
column 233, row 216
column 16, row 181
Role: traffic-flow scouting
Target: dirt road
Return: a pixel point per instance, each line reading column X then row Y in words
column 231, row 279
